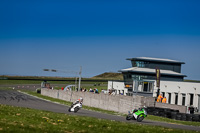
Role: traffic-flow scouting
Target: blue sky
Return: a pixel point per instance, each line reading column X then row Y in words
column 97, row 35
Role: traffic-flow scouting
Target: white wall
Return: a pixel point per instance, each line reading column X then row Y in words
column 172, row 87
column 181, row 88
column 119, row 86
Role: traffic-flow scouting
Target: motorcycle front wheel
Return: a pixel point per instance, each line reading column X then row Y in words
column 140, row 118
column 129, row 117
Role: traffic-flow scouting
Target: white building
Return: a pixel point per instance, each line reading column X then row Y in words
column 140, row 79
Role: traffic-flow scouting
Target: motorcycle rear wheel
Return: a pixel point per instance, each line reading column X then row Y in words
column 76, row 109
column 140, row 118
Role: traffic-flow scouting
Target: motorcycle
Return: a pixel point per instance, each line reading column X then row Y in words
column 75, row 107
column 138, row 115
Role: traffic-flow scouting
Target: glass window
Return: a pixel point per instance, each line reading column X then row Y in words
column 191, row 99
column 176, row 98
column 150, row 87
column 183, row 99
column 139, row 64
column 163, row 93
column 169, row 98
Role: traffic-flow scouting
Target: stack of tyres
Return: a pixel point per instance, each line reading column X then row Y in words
column 176, row 111
column 178, row 116
column 150, row 110
column 167, row 113
column 195, row 117
column 173, row 115
column 188, row 117
column 183, row 117
column 156, row 112
column 161, row 112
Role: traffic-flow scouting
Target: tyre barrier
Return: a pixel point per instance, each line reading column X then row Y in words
column 188, row 117
column 178, row 116
column 156, row 113
column 183, row 117
column 172, row 114
column 195, row 117
column 150, row 110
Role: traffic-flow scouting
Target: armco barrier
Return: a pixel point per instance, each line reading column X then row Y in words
column 118, row 103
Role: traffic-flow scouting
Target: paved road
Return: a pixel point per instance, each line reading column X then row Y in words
column 15, row 98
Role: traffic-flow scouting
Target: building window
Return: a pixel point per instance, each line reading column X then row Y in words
column 143, row 86
column 150, row 87
column 169, row 98
column 176, row 98
column 191, row 99
column 183, row 99
column 140, row 64
column 163, row 93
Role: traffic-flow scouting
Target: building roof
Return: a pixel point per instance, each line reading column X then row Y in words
column 151, row 71
column 156, row 60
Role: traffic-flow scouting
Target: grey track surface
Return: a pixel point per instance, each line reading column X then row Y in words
column 15, row 98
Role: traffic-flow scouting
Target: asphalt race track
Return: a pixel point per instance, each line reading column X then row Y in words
column 15, row 98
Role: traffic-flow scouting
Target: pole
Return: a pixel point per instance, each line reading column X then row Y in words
column 79, row 84
column 75, row 83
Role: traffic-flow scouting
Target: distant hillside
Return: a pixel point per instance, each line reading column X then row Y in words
column 109, row 75
column 100, row 78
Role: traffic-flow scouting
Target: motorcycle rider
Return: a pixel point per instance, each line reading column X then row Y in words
column 76, row 105
column 80, row 100
column 135, row 110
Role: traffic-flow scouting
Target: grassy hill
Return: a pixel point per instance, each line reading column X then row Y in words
column 109, row 75
column 103, row 76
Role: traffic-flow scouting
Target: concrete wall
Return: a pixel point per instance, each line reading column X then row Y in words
column 118, row 103
column 182, row 109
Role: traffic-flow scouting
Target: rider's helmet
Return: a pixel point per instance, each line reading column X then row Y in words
column 81, row 99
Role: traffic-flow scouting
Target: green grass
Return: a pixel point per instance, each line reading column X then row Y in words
column 23, row 120
column 9, row 82
column 162, row 119
column 6, row 88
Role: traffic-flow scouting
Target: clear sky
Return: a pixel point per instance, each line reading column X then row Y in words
column 96, row 34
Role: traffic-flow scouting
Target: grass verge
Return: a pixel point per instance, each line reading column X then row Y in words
column 23, row 120
column 12, row 82
column 172, row 121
